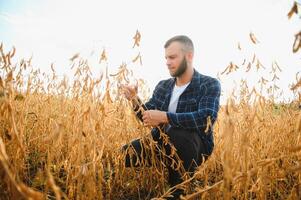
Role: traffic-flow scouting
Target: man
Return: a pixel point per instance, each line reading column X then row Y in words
column 185, row 107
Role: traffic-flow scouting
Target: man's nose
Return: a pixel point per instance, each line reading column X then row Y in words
column 168, row 62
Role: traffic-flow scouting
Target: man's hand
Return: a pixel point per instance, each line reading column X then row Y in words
column 130, row 92
column 154, row 117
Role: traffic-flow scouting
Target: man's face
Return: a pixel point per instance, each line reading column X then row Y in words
column 175, row 59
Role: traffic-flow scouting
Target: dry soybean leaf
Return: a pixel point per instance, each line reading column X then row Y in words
column 52, row 67
column 253, row 38
column 103, row 56
column 84, row 134
column 295, row 149
column 137, row 39
column 19, row 97
column 209, row 124
column 136, row 58
column 9, row 77
column 52, row 184
column 248, row 67
column 74, row 57
column 297, row 42
column 297, row 85
column 238, row 46
column 293, row 10
column 244, row 62
column 225, row 70
column 277, row 66
column 2, row 149
column 8, row 59
column 13, row 52
column 7, row 134
column 1, row 83
column 275, row 77
column 30, row 193
column 253, row 59
column 258, row 64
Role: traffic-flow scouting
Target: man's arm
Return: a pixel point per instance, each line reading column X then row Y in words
column 208, row 107
column 137, row 104
column 139, row 107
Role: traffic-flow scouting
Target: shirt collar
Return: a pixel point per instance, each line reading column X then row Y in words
column 193, row 83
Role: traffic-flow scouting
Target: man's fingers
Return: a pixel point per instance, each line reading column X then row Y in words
column 125, row 87
column 126, row 94
column 145, row 118
column 127, row 91
column 145, row 122
column 136, row 87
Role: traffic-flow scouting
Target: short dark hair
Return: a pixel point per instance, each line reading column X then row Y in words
column 184, row 40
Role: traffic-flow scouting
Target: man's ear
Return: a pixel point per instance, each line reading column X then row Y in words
column 189, row 56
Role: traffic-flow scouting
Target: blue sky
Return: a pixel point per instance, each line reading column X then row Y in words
column 9, row 8
column 4, row 25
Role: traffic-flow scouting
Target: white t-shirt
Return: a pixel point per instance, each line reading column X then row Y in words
column 176, row 93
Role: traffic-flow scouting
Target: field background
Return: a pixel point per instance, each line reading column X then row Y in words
column 62, row 139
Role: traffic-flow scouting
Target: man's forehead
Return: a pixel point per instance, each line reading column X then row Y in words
column 173, row 48
column 175, row 45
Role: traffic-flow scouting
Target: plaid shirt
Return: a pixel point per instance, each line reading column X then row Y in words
column 199, row 101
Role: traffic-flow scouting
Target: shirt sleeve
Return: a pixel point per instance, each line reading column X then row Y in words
column 208, row 106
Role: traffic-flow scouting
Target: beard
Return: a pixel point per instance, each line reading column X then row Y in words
column 181, row 70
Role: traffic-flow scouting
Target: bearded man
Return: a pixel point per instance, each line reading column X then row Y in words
column 181, row 107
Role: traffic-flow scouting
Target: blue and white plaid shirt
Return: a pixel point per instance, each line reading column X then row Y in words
column 199, row 101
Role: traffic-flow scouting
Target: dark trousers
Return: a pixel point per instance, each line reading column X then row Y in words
column 189, row 147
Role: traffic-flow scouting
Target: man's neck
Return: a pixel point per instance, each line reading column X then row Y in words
column 185, row 78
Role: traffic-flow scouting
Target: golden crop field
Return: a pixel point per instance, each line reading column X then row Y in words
column 62, row 139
